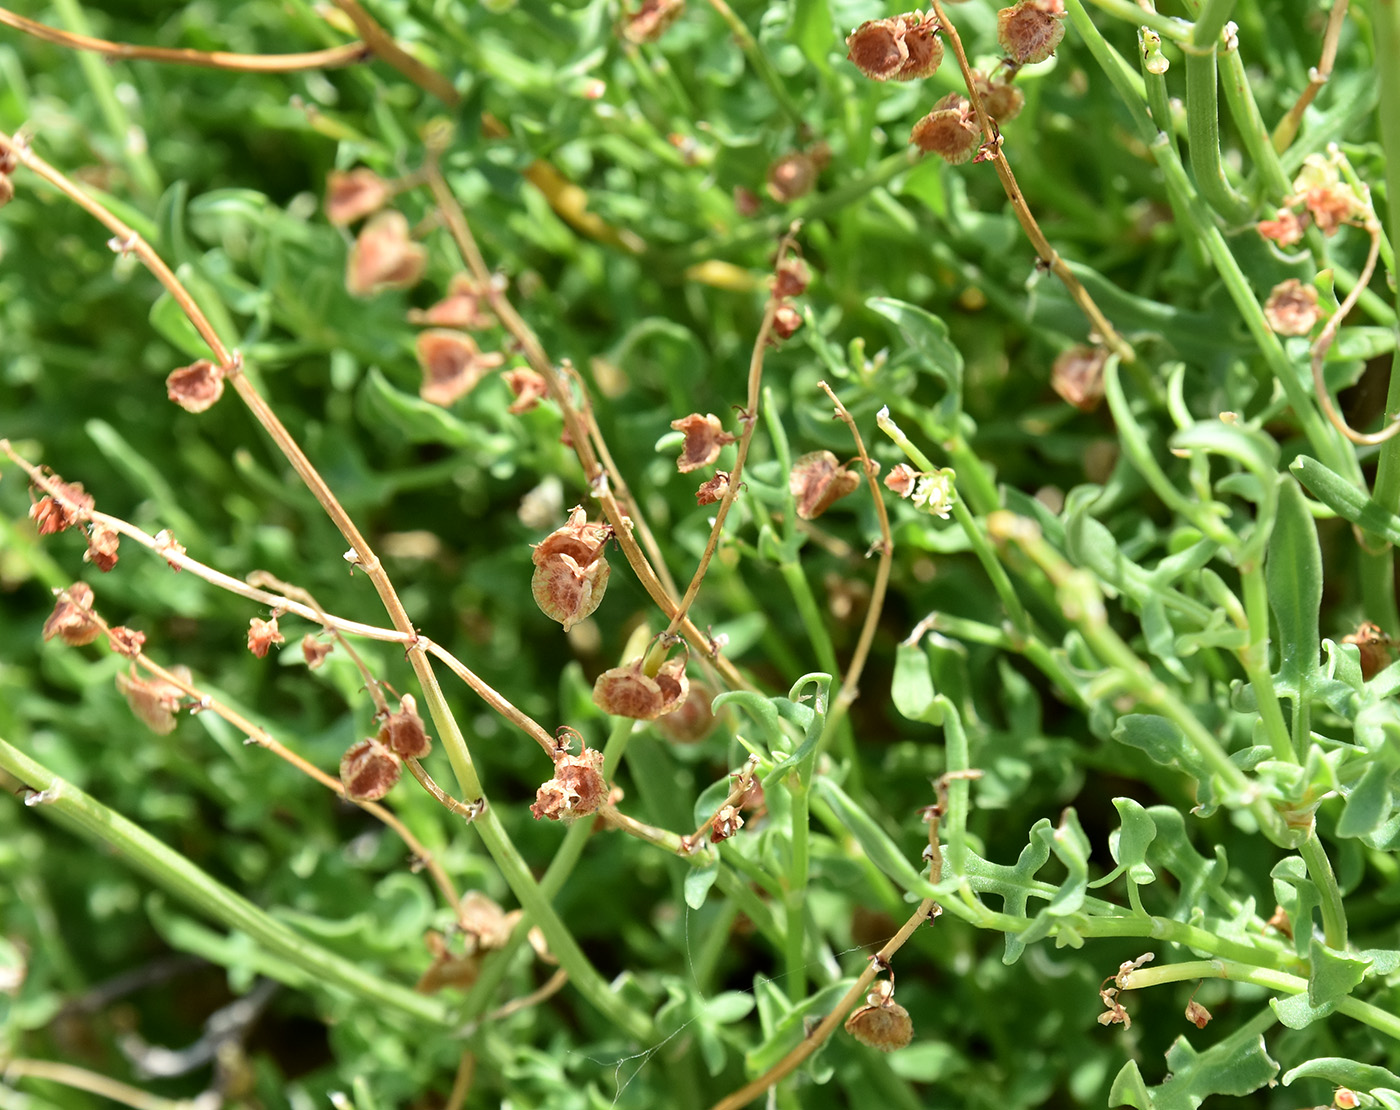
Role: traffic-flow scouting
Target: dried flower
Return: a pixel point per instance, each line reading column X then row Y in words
column 153, row 700
column 528, row 387
column 1030, row 30
column 649, row 23
column 935, row 493
column 577, row 788
column 925, row 51
column 72, row 619
column 713, row 490
column 352, row 195
column 102, row 547
column 791, row 176
column 571, row 574
column 1330, row 201
column 1292, row 308
column 1077, row 376
column 197, row 386
column 949, row 130
column 1285, row 230
column 1002, row 99
column 882, row 1023
column 630, row 692
column 786, row 321
column 486, row 925
column 877, row 48
column 262, row 635
column 126, row 641
column 791, row 278
column 57, row 513
column 817, row 480
column 704, row 437
column 726, row 823
column 1197, row 1014
column 384, row 257
column 901, row 479
column 452, row 365
column 403, row 732
column 368, row 771
column 314, row 652
column 462, row 307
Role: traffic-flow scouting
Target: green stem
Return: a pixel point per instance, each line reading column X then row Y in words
column 1203, row 139
column 1334, row 917
column 1255, row 659
column 1210, row 22
column 180, row 877
column 810, row 614
column 1177, row 30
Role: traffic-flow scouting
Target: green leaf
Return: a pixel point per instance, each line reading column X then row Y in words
column 1293, row 572
column 1369, row 804
column 927, row 337
column 814, row 32
column 172, row 325
column 1334, row 974
column 1130, row 1089
column 1236, row 1066
column 1345, row 499
column 381, row 405
column 912, row 688
column 1166, row 744
column 1129, row 846
column 1341, row 1072
column 1298, row 1012
column 698, row 881
column 873, row 840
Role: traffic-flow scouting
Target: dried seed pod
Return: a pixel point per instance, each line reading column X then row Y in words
column 1002, row 99
column 262, row 635
column 786, row 321
column 368, row 771
column 1285, row 229
column 452, row 365
column 571, row 574
column 1077, row 376
column 576, row 790
column 1197, row 1014
column 817, row 481
column 882, row 1023
column 314, row 652
column 649, row 23
column 1292, row 308
column 704, row 437
column 384, row 257
column 1030, row 30
column 692, row 720
column 791, row 278
column 901, row 478
column 1374, row 646
column 195, row 387
column 153, row 700
column 713, row 490
column 461, row 308
column 72, row 620
column 403, row 732
column 877, row 48
column 352, row 195
column 726, row 823
column 949, row 130
column 102, row 547
column 792, row 176
column 925, row 51
column 527, row 387
column 56, row 514
column 630, row 692
column 488, row 926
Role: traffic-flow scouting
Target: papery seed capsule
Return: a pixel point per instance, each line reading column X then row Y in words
column 877, row 48
column 368, row 771
column 1030, row 30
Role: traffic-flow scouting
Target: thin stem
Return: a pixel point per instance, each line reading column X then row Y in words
column 1317, row 77
column 333, row 58
column 387, row 50
column 80, row 1079
column 1334, row 916
column 818, row 1036
column 1203, row 139
column 1254, row 657
column 1179, row 31
column 1107, row 333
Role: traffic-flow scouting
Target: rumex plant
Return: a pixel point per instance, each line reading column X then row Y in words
column 555, row 559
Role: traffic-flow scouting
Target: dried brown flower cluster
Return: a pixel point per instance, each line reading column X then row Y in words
column 629, row 691
column 1321, row 198
column 576, row 790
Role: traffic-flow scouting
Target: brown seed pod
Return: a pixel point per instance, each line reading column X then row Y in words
column 925, row 51
column 461, row 308
column 692, row 720
column 786, row 321
column 630, row 692
column 704, row 437
column 713, row 490
column 1002, row 99
column 72, row 620
column 576, row 790
column 1077, row 376
column 817, row 481
column 195, row 387
column 262, row 635
column 1374, row 646
column 882, row 1023
column 877, row 48
column 452, row 365
column 950, row 131
column 527, row 387
column 403, row 732
column 726, row 823
column 571, row 574
column 56, row 514
column 792, row 176
column 791, row 278
column 314, row 652
column 102, row 547
column 1030, row 30
column 154, row 700
column 368, row 771
column 1292, row 308
column 355, row 194
column 384, row 257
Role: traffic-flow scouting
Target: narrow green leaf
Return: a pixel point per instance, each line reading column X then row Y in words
column 873, row 840
column 1345, row 499
column 1293, row 571
column 912, row 688
column 172, row 325
column 1342, row 1072
column 927, row 337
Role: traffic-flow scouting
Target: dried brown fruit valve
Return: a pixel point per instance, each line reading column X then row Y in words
column 403, row 733
column 102, row 547
column 704, row 438
column 154, row 700
column 1002, row 100
column 197, row 386
column 817, row 481
column 792, row 176
column 1077, row 376
column 902, row 48
column 571, row 574
column 791, row 278
column 950, row 130
column 692, row 720
column 882, row 1023
column 1030, row 30
column 452, row 365
column 1292, row 308
column 58, row 513
column 352, row 195
column 72, row 619
column 1370, row 640
column 649, row 22
column 577, row 788
column 462, row 307
column 630, row 692
column 368, row 771
column 384, row 257
column 262, row 635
